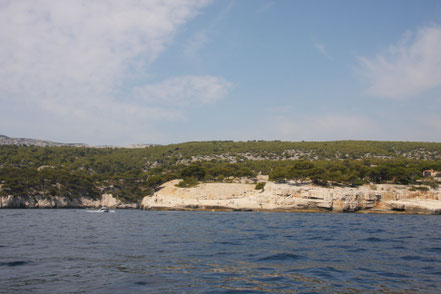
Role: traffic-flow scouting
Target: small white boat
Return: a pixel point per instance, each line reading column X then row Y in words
column 102, row 209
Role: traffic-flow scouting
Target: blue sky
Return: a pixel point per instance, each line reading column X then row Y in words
column 122, row 72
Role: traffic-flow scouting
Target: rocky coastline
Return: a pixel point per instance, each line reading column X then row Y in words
column 243, row 196
column 294, row 197
column 62, row 202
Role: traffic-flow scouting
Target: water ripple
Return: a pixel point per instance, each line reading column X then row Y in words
column 71, row 251
column 14, row 263
column 282, row 257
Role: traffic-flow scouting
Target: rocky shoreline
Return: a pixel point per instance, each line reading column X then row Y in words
column 62, row 202
column 293, row 197
column 243, row 196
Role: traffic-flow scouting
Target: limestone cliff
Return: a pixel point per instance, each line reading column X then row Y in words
column 291, row 197
column 62, row 202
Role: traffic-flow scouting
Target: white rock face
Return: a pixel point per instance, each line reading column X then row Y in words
column 240, row 196
column 62, row 202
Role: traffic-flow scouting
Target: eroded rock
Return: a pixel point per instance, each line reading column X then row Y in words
column 285, row 196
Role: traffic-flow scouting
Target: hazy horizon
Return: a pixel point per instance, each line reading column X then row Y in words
column 144, row 72
column 226, row 140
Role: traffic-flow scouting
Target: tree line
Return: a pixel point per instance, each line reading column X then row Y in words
column 131, row 174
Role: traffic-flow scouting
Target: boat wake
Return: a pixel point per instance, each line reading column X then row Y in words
column 102, row 210
column 97, row 211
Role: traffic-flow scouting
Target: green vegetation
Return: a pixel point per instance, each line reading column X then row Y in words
column 419, row 188
column 187, row 183
column 130, row 174
column 260, row 186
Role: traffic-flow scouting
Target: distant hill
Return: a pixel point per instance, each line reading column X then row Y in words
column 4, row 140
column 36, row 167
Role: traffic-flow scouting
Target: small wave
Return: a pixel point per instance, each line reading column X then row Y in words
column 415, row 258
column 406, row 237
column 228, row 243
column 339, row 246
column 97, row 211
column 224, row 253
column 13, row 263
column 233, row 291
column 367, row 270
column 411, row 257
column 433, row 249
column 321, row 238
column 332, row 269
column 262, row 236
column 373, row 239
column 357, row 250
column 282, row 257
column 328, row 273
column 271, row 279
column 394, row 275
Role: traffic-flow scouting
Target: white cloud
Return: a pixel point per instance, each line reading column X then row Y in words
column 66, row 62
column 198, row 41
column 58, row 45
column 321, row 48
column 408, row 68
column 184, row 90
column 201, row 38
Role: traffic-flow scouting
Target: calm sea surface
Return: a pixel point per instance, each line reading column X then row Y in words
column 132, row 251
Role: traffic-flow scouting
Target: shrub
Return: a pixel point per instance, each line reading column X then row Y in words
column 194, row 171
column 433, row 184
column 419, row 188
column 260, row 186
column 187, row 183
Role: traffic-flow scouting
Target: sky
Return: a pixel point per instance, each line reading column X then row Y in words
column 117, row 72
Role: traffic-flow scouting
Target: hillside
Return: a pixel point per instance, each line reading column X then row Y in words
column 131, row 173
column 5, row 140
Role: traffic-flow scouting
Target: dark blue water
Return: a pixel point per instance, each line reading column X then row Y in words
column 131, row 251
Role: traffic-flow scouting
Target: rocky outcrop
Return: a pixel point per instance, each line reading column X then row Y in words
column 62, row 202
column 4, row 140
column 415, row 206
column 291, row 197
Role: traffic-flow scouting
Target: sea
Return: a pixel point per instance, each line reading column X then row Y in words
column 134, row 251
